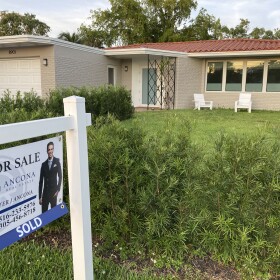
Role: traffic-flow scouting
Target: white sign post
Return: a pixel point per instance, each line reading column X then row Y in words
column 74, row 123
column 77, row 157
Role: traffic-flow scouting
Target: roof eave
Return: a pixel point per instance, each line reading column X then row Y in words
column 141, row 51
column 28, row 40
column 235, row 54
column 35, row 41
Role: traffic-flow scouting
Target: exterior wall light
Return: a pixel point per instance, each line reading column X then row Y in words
column 126, row 68
column 45, row 61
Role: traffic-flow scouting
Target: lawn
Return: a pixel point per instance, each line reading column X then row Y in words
column 48, row 256
column 207, row 124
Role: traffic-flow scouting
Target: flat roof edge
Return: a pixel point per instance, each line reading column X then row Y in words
column 135, row 51
column 235, row 53
column 43, row 40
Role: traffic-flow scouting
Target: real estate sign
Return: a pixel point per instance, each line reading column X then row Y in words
column 30, row 188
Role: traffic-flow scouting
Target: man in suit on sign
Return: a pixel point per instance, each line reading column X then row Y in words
column 50, row 180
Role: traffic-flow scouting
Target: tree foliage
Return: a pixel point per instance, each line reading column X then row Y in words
column 240, row 30
column 261, row 33
column 70, row 37
column 207, row 27
column 139, row 21
column 12, row 23
column 92, row 37
column 167, row 17
column 203, row 27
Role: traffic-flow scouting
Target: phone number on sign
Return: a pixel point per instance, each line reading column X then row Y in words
column 17, row 214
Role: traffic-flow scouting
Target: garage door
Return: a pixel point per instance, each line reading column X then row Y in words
column 20, row 74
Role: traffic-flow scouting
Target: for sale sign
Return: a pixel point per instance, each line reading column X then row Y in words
column 31, row 181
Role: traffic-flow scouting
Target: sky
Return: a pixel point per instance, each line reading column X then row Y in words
column 68, row 15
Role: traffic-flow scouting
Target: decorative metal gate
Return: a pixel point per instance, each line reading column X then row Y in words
column 161, row 81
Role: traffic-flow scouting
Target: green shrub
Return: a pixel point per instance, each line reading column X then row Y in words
column 112, row 100
column 114, row 159
column 100, row 101
column 54, row 101
column 242, row 195
column 21, row 115
column 165, row 195
column 28, row 101
column 138, row 183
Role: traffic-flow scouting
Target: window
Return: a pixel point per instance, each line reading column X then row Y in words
column 248, row 75
column 273, row 76
column 214, row 76
column 254, row 77
column 111, row 76
column 234, row 76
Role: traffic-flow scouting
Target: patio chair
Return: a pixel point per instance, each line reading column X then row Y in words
column 199, row 102
column 244, row 102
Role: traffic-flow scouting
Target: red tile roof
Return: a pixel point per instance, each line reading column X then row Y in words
column 227, row 45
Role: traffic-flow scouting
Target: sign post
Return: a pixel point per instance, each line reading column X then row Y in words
column 74, row 123
column 78, row 177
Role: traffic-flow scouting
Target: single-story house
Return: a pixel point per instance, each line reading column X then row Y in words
column 164, row 75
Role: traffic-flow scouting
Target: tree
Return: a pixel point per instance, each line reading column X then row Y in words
column 92, row 38
column 166, row 18
column 84, row 36
column 261, row 33
column 124, row 23
column 67, row 36
column 239, row 31
column 277, row 33
column 144, row 21
column 203, row 27
column 137, row 21
column 257, row 33
column 268, row 34
column 12, row 23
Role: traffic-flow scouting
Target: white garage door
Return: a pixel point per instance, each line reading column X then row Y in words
column 20, row 74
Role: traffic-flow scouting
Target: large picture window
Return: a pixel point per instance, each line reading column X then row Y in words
column 214, row 76
column 234, row 76
column 248, row 75
column 273, row 76
column 254, row 77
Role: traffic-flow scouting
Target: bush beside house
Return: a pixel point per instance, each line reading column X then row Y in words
column 100, row 101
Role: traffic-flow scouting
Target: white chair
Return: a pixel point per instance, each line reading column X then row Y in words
column 244, row 102
column 199, row 102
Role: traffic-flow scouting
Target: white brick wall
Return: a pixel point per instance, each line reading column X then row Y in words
column 188, row 81
column 81, row 68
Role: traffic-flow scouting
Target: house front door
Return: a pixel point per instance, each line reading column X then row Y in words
column 149, row 86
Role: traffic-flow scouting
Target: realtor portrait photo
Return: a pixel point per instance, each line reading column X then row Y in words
column 50, row 180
